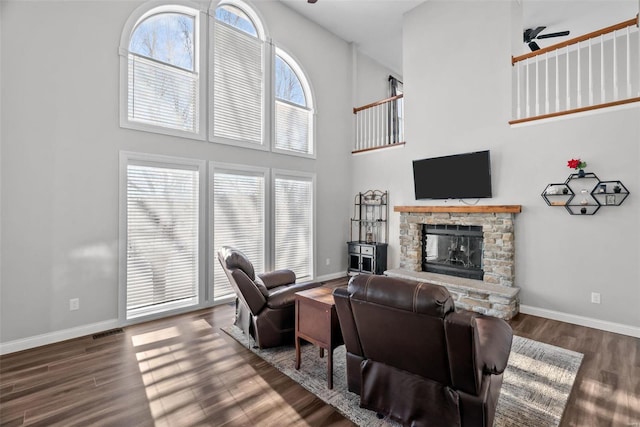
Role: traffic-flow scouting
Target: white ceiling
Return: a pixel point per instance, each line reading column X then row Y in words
column 375, row 26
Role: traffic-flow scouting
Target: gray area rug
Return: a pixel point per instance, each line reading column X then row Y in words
column 534, row 393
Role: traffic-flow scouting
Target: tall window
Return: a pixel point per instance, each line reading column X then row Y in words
column 238, row 220
column 237, row 103
column 162, row 236
column 294, row 223
column 163, row 79
column 293, row 113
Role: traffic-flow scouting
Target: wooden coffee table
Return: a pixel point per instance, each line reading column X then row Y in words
column 317, row 323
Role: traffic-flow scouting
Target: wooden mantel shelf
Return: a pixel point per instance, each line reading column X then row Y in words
column 461, row 209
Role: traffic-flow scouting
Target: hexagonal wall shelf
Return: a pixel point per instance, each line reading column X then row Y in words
column 585, row 194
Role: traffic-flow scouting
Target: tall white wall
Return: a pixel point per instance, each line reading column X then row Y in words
column 371, row 80
column 60, row 145
column 458, row 99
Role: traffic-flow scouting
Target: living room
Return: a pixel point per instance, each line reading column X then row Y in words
column 61, row 142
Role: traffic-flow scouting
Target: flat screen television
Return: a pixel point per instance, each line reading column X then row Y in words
column 459, row 176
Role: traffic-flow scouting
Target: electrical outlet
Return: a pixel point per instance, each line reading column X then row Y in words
column 74, row 304
column 595, row 298
column 328, row 261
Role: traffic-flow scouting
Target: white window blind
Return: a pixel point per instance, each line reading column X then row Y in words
column 294, row 225
column 163, row 82
column 238, row 85
column 238, row 221
column 292, row 126
column 162, row 238
column 162, row 94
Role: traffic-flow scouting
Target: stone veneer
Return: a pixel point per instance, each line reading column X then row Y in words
column 495, row 295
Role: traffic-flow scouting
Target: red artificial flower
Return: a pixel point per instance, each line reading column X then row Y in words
column 573, row 163
column 576, row 164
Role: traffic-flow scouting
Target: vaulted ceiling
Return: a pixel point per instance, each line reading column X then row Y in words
column 375, row 26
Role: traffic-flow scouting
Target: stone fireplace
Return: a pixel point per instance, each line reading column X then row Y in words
column 489, row 288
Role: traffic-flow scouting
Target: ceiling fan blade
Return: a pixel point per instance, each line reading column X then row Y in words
column 531, row 33
column 547, row 36
column 534, row 46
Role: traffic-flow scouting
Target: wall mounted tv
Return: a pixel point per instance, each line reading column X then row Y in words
column 459, row 176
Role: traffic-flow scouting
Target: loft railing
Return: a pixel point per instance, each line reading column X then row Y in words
column 596, row 70
column 379, row 124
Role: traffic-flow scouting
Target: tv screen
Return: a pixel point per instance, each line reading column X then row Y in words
column 460, row 176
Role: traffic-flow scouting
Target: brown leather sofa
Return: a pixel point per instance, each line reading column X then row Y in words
column 412, row 357
column 265, row 305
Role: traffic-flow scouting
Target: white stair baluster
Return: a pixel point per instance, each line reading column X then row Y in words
column 537, row 89
column 615, row 68
column 546, row 83
column 568, row 106
column 528, row 106
column 518, row 90
column 590, row 75
column 602, row 85
column 628, row 63
column 578, row 78
column 557, row 82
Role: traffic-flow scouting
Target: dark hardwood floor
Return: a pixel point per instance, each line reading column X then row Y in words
column 185, row 371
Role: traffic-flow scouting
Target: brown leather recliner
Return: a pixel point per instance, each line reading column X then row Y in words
column 265, row 305
column 411, row 357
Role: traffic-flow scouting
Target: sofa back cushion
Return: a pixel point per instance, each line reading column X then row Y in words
column 401, row 323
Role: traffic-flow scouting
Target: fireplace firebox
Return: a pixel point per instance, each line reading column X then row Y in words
column 455, row 250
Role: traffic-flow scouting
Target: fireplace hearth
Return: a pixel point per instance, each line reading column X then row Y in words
column 455, row 250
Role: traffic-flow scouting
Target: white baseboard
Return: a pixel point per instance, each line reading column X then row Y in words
column 81, row 331
column 618, row 328
column 331, row 276
column 57, row 336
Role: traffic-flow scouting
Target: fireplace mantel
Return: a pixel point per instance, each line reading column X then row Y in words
column 460, row 209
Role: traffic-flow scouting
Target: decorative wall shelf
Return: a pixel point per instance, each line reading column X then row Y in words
column 585, row 194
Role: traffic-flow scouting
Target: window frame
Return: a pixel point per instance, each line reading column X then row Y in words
column 204, row 25
column 143, row 12
column 240, row 169
column 156, row 160
column 299, row 71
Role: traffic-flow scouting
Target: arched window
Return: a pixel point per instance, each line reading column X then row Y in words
column 237, row 105
column 293, row 107
column 163, row 69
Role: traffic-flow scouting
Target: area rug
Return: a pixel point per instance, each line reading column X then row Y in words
column 534, row 393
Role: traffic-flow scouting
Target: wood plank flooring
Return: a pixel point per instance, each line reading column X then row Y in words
column 184, row 371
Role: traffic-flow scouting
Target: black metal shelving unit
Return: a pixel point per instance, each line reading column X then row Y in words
column 585, row 194
column 367, row 247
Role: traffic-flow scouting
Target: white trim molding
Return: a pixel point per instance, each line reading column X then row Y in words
column 57, row 336
column 618, row 328
column 330, row 276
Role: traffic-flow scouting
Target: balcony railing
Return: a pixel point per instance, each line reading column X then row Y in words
column 597, row 70
column 379, row 124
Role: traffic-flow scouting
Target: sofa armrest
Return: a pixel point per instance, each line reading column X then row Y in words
column 342, row 299
column 494, row 338
column 277, row 278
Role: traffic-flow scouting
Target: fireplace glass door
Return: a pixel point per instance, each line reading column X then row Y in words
column 455, row 250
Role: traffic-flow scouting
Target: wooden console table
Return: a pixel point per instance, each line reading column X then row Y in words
column 317, row 323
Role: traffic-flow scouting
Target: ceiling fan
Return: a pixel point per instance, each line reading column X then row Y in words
column 532, row 33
